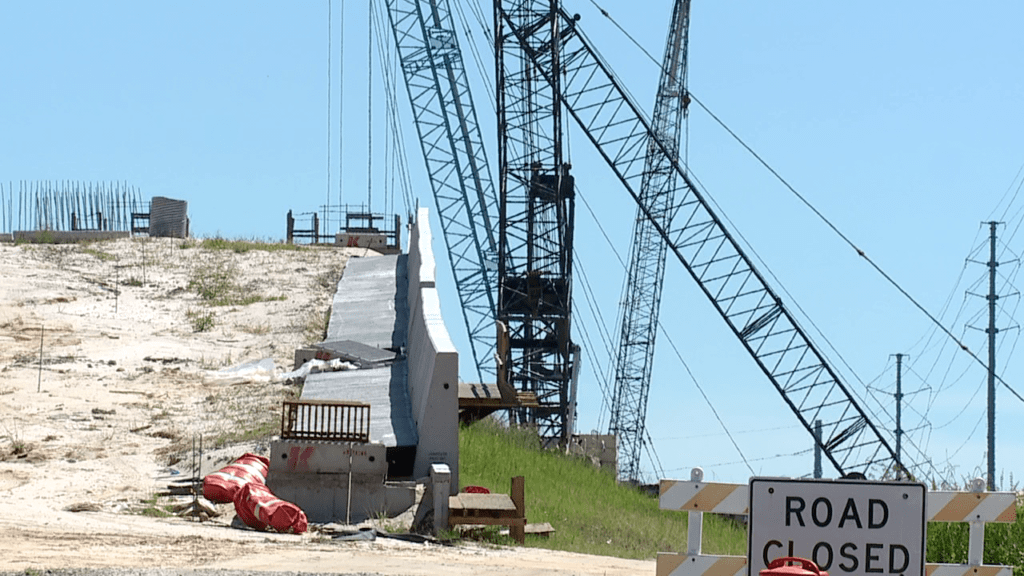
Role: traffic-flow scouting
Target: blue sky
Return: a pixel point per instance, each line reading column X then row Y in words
column 901, row 122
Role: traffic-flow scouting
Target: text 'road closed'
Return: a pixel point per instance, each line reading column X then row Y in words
column 846, row 527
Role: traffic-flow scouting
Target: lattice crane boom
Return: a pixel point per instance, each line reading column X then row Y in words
column 697, row 238
column 641, row 297
column 537, row 210
column 449, row 134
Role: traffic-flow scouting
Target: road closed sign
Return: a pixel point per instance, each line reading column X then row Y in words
column 847, row 527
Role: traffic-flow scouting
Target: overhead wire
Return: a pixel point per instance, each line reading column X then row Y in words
column 330, row 34
column 341, row 114
column 369, row 108
column 938, row 324
column 474, row 51
column 821, row 216
column 390, row 79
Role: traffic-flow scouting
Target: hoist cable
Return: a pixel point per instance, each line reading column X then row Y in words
column 818, row 213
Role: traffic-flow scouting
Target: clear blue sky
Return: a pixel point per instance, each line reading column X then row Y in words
column 901, row 122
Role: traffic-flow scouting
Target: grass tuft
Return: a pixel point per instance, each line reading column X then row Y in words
column 216, row 283
column 200, row 320
column 243, row 246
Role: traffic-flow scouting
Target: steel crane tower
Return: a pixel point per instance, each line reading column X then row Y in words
column 641, row 298
column 536, row 216
column 449, row 134
column 697, row 238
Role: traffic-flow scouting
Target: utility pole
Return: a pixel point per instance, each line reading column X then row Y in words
column 899, row 409
column 817, row 449
column 991, row 331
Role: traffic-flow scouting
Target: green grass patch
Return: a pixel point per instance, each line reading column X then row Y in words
column 151, row 508
column 201, row 320
column 216, row 283
column 1004, row 543
column 259, row 430
column 590, row 512
column 98, row 254
column 243, row 246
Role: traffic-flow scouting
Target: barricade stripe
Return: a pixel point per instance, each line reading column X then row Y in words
column 710, row 497
column 703, row 565
column 958, row 508
column 965, row 570
column 702, row 497
column 1008, row 515
column 726, row 566
column 668, row 563
column 972, row 506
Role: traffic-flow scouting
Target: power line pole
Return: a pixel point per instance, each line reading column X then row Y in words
column 899, row 408
column 817, row 448
column 992, row 330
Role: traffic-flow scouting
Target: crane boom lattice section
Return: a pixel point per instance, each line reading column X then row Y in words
column 450, row 137
column 697, row 238
column 537, row 206
column 641, row 299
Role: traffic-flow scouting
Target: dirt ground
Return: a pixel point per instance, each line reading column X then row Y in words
column 108, row 378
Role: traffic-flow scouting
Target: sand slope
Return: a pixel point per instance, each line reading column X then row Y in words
column 125, row 389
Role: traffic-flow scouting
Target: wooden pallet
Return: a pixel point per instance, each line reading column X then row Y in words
column 492, row 509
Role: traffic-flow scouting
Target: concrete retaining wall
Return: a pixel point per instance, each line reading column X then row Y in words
column 433, row 361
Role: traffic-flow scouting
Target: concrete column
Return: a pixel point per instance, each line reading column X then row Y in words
column 440, row 482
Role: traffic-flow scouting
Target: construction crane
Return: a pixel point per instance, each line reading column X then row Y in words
column 536, row 353
column 641, row 297
column 449, row 135
column 697, row 238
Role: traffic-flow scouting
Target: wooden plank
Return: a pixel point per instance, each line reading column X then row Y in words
column 484, row 521
column 540, row 529
column 519, row 501
column 481, row 502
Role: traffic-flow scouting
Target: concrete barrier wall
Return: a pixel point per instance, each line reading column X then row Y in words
column 433, row 361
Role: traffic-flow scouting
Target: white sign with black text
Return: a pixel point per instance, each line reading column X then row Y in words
column 846, row 527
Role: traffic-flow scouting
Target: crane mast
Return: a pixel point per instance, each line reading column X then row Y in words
column 641, row 297
column 449, row 134
column 536, row 353
column 696, row 237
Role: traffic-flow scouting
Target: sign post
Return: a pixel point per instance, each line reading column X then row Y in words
column 846, row 527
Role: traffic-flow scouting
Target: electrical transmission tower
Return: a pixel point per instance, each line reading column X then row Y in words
column 536, row 216
column 449, row 134
column 641, row 298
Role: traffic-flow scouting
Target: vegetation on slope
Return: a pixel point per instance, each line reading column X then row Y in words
column 590, row 512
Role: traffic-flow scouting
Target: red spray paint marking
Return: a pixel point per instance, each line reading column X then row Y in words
column 298, row 459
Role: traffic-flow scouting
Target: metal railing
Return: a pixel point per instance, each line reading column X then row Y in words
column 325, row 420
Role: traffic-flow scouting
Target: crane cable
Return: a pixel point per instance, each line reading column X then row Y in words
column 818, row 213
column 672, row 344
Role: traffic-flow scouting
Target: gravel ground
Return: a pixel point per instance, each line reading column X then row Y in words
column 165, row 572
